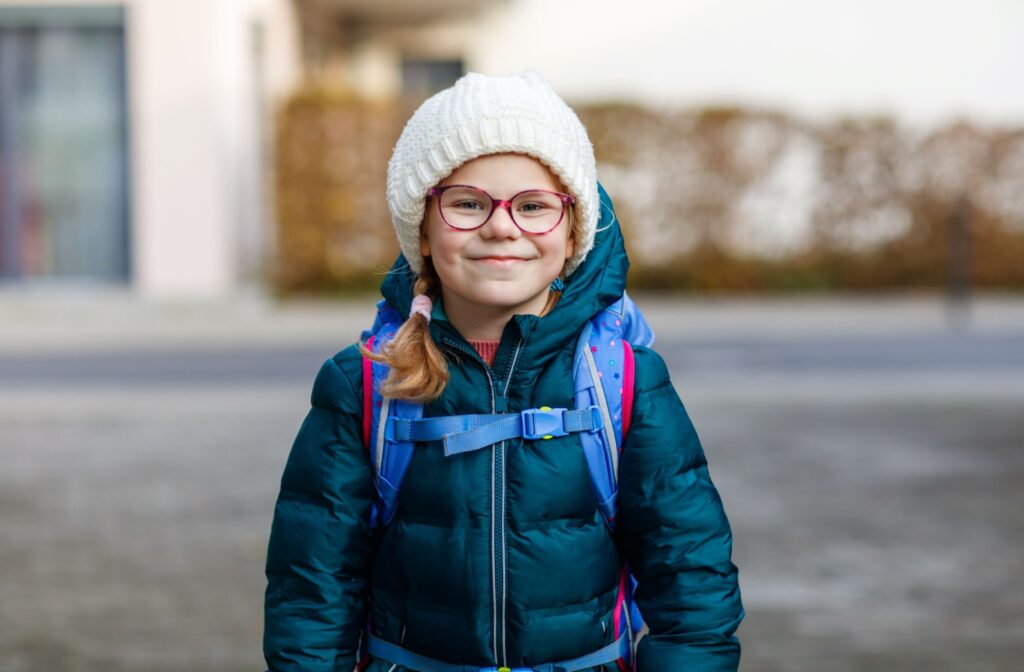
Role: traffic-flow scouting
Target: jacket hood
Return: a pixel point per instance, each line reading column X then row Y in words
column 595, row 284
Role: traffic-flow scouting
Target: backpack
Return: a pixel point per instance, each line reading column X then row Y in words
column 603, row 380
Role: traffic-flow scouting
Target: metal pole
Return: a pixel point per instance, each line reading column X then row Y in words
column 958, row 276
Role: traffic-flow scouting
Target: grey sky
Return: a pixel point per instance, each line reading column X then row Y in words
column 922, row 61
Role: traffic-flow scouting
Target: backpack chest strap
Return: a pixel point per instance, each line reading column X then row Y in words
column 465, row 433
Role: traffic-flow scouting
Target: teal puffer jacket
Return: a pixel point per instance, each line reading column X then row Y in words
column 499, row 557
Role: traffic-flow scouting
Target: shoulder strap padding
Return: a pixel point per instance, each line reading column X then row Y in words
column 389, row 458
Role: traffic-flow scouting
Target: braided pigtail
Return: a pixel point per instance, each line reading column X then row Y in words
column 419, row 371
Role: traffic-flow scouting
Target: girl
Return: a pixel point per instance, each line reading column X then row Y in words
column 497, row 558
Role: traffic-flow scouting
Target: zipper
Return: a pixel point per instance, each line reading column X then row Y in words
column 499, row 584
column 475, row 356
column 504, row 578
column 500, row 455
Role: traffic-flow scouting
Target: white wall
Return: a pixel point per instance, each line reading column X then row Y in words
column 201, row 207
column 176, row 55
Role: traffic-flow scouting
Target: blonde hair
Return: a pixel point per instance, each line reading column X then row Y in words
column 418, row 369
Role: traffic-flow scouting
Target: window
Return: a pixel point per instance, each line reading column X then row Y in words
column 423, row 78
column 63, row 144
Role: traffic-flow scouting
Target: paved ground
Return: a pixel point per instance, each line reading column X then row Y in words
column 870, row 455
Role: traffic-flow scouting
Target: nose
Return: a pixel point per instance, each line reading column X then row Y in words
column 501, row 224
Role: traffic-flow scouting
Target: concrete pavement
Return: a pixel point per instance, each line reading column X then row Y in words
column 870, row 457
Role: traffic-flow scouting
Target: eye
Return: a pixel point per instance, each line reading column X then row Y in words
column 536, row 204
column 467, row 205
column 465, row 201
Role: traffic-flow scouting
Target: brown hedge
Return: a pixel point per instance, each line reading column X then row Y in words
column 877, row 206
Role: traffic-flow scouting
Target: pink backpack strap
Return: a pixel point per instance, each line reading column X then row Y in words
column 367, row 394
column 620, row 613
column 628, row 380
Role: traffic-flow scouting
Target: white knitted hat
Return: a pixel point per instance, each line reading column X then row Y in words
column 482, row 115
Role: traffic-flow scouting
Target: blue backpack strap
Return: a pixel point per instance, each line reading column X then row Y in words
column 601, row 448
column 599, row 371
column 602, row 369
column 389, row 457
column 398, row 655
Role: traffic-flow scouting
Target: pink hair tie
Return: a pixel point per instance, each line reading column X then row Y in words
column 421, row 304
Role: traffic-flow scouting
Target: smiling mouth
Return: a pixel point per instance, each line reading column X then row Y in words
column 496, row 259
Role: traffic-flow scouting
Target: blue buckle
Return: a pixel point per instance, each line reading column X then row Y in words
column 543, row 423
column 596, row 419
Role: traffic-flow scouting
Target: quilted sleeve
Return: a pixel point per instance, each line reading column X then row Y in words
column 319, row 556
column 675, row 535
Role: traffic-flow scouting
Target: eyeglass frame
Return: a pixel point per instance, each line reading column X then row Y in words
column 567, row 199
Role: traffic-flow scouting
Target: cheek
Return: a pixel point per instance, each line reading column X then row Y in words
column 439, row 245
column 566, row 246
column 555, row 254
column 429, row 233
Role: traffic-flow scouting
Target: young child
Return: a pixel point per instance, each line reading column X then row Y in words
column 498, row 557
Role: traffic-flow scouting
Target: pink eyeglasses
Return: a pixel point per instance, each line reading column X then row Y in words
column 534, row 211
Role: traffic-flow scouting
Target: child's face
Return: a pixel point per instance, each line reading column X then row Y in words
column 497, row 266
